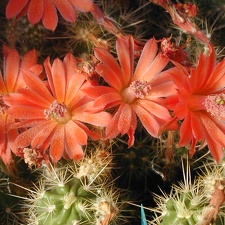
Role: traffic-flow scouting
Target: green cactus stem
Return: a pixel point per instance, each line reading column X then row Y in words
column 75, row 193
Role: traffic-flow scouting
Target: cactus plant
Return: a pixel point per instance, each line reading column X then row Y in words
column 107, row 39
column 74, row 193
column 197, row 202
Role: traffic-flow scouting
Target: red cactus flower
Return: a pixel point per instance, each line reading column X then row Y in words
column 55, row 114
column 11, row 81
column 201, row 104
column 46, row 10
column 175, row 53
column 132, row 94
column 182, row 15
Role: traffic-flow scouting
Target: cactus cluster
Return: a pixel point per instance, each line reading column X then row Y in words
column 194, row 202
column 100, row 100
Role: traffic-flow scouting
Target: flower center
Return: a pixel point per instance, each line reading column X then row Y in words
column 137, row 89
column 215, row 105
column 141, row 88
column 57, row 111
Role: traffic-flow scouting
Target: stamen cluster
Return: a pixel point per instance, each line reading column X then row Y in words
column 215, row 105
column 141, row 88
column 56, row 111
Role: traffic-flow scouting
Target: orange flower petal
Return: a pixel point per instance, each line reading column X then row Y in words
column 50, row 17
column 125, row 52
column 34, row 83
column 26, row 112
column 57, row 144
column 109, row 61
column 159, row 90
column 110, row 76
column 14, row 99
column 73, row 86
column 155, row 109
column 158, row 64
column 29, row 59
column 132, row 129
column 34, row 98
column 186, row 131
column 11, row 70
column 196, row 126
column 44, row 135
column 216, row 149
column 83, row 6
column 70, row 63
column 96, row 91
column 205, row 67
column 147, row 56
column 216, row 133
column 3, row 120
column 47, row 66
column 73, row 148
column 35, row 11
column 66, row 9
column 79, row 135
column 14, row 7
column 125, row 116
column 214, row 142
column 6, row 155
column 79, row 102
column 3, row 89
column 97, row 119
column 92, row 134
column 107, row 100
column 25, row 138
column 59, row 81
column 12, row 135
column 112, row 128
column 149, row 122
column 216, row 80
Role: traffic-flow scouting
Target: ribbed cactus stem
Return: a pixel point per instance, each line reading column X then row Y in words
column 64, row 197
column 68, row 200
